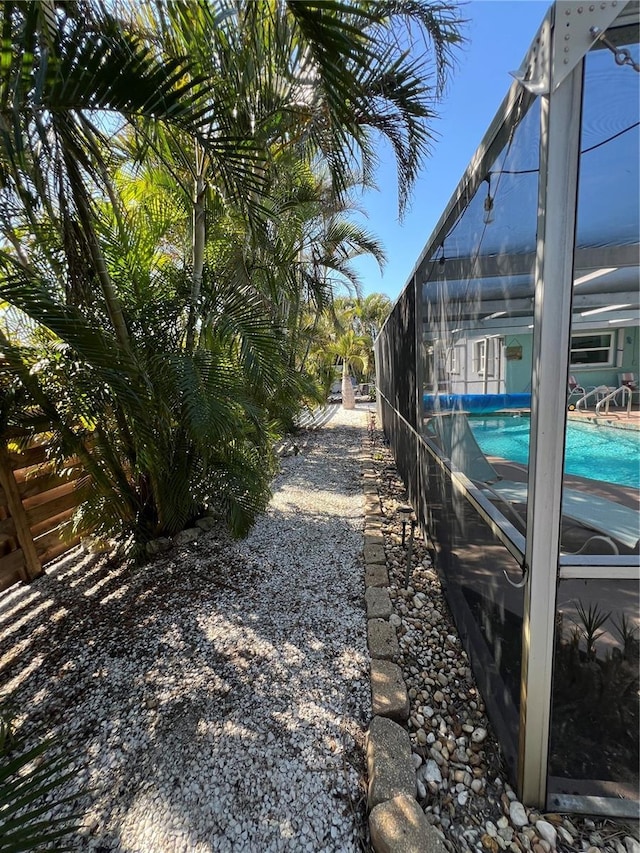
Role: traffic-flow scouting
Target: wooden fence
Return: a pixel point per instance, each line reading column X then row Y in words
column 35, row 502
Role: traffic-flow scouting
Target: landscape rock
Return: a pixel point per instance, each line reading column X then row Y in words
column 373, row 540
column 382, row 640
column 375, row 554
column 489, row 843
column 375, row 575
column 378, row 603
column 158, row 546
column 430, row 772
column 190, row 534
column 388, row 691
column 399, row 826
column 547, row 832
column 207, row 523
column 518, row 814
column 389, row 762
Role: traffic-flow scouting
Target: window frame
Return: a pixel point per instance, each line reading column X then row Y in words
column 593, row 365
column 485, row 356
column 454, row 360
column 480, row 356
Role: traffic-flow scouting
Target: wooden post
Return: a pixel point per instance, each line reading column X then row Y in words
column 32, row 567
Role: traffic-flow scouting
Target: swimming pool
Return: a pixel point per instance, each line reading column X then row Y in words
column 596, row 452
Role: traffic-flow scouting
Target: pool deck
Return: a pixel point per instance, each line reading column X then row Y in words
column 616, row 418
column 578, row 533
column 625, row 495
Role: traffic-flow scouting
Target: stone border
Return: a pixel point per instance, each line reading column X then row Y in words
column 396, row 822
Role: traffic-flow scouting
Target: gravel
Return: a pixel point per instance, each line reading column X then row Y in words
column 215, row 699
column 463, row 787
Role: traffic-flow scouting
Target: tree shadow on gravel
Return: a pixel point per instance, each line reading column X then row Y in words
column 205, row 689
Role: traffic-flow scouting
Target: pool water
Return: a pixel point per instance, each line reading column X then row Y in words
column 597, row 452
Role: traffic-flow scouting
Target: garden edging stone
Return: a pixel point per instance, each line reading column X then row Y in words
column 376, row 575
column 378, row 603
column 399, row 826
column 396, row 821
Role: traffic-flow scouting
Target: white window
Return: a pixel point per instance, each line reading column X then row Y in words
column 592, row 349
column 484, row 357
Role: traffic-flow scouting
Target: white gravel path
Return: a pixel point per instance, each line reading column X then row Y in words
column 217, row 699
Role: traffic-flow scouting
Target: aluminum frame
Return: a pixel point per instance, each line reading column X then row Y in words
column 560, row 119
column 561, row 100
column 567, row 567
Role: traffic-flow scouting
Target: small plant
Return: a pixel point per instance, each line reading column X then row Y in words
column 628, row 635
column 575, row 634
column 592, row 620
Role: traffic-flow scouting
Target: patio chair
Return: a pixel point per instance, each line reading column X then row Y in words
column 575, row 387
column 629, row 380
column 575, row 390
column 626, row 388
column 604, row 391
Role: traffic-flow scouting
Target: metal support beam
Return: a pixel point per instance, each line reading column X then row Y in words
column 557, row 195
column 419, row 321
column 421, row 485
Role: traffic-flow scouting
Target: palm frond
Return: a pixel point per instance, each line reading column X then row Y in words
column 30, row 778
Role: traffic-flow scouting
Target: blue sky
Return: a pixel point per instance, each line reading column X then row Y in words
column 498, row 34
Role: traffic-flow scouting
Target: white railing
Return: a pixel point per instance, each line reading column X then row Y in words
column 593, row 393
column 623, row 389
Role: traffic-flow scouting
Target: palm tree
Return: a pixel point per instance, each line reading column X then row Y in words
column 295, row 78
column 370, row 317
column 155, row 412
column 362, row 80
column 165, row 336
column 372, row 312
column 351, row 350
column 315, row 246
column 365, row 317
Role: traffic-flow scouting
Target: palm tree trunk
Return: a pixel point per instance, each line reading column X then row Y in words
column 303, row 363
column 198, row 245
column 114, row 307
column 348, row 397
